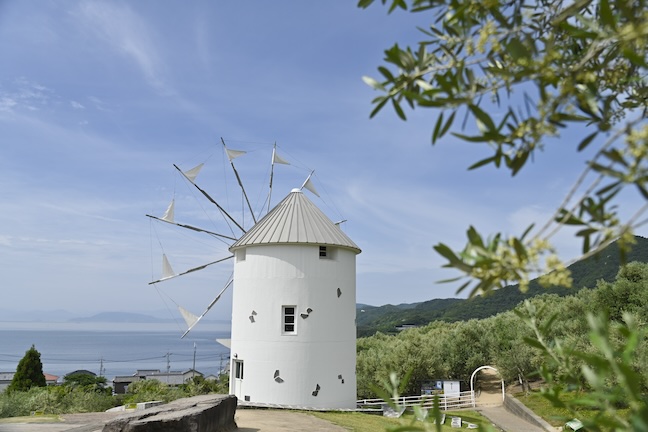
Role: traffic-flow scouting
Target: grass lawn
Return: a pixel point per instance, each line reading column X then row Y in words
column 361, row 422
column 556, row 416
column 46, row 418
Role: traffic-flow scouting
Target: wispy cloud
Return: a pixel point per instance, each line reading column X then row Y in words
column 25, row 94
column 126, row 33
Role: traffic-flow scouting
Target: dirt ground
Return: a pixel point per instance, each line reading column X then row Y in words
column 247, row 420
column 489, row 388
column 251, row 420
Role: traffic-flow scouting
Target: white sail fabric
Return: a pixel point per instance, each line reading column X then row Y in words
column 308, row 184
column 189, row 318
column 193, row 172
column 225, row 342
column 167, row 271
column 233, row 154
column 278, row 159
column 169, row 213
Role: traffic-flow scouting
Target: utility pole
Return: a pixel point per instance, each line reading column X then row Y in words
column 193, row 371
column 168, row 362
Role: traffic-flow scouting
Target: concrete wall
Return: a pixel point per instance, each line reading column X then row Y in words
column 519, row 409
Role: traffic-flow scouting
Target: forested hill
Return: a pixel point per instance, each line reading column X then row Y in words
column 585, row 274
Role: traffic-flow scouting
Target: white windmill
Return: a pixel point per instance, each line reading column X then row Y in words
column 293, row 339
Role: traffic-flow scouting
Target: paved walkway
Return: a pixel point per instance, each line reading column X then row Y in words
column 491, row 406
column 248, row 420
column 251, row 420
column 506, row 420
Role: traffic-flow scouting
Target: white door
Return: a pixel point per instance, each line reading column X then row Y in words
column 237, row 383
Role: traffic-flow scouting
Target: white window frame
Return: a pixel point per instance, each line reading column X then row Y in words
column 289, row 318
column 240, row 255
column 327, row 252
column 238, row 369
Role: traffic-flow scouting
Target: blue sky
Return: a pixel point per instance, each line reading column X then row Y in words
column 98, row 100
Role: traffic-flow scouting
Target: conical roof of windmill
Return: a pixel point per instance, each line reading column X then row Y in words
column 295, row 220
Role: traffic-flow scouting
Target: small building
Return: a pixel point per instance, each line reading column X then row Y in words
column 446, row 387
column 172, row 378
column 5, row 380
column 175, row 378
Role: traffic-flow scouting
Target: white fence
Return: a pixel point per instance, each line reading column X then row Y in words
column 465, row 399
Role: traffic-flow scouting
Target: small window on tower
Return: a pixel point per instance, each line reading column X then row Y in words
column 240, row 255
column 327, row 252
column 289, row 320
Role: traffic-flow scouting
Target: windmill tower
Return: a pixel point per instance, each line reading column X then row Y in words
column 293, row 310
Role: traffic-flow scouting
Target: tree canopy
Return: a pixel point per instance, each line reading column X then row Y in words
column 558, row 340
column 29, row 372
column 550, row 66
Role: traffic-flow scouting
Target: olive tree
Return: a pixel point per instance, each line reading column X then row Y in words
column 549, row 66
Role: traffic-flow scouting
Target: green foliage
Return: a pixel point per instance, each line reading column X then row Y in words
column 585, row 273
column 29, row 372
column 454, row 350
column 152, row 390
column 54, row 400
column 148, row 390
column 608, row 372
column 198, row 385
column 84, row 393
column 540, row 405
column 549, row 66
column 87, row 382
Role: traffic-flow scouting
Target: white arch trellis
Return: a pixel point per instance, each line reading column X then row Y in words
column 472, row 383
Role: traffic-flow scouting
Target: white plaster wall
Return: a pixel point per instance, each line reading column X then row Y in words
column 324, row 347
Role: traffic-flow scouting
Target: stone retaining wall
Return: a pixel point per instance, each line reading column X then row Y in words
column 519, row 409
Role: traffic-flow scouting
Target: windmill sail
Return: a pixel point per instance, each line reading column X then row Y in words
column 193, row 173
column 275, row 159
column 235, row 154
column 189, row 318
column 169, row 213
column 167, row 272
column 308, row 184
column 192, row 319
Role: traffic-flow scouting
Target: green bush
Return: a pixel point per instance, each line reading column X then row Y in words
column 54, row 400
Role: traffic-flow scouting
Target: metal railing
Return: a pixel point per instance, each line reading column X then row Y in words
column 465, row 399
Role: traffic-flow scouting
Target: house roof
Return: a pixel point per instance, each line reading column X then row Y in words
column 295, row 220
column 50, row 377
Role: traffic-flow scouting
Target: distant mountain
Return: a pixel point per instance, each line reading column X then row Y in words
column 132, row 317
column 58, row 315
column 602, row 266
column 120, row 317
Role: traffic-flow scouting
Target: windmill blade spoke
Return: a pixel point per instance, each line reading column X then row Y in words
column 195, row 319
column 188, row 271
column 191, row 227
column 231, row 154
column 212, row 200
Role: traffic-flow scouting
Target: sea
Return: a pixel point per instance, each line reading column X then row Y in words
column 114, row 349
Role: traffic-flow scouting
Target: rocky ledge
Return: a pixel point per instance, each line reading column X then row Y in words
column 208, row 413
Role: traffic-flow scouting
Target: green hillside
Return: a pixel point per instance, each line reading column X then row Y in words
column 585, row 273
